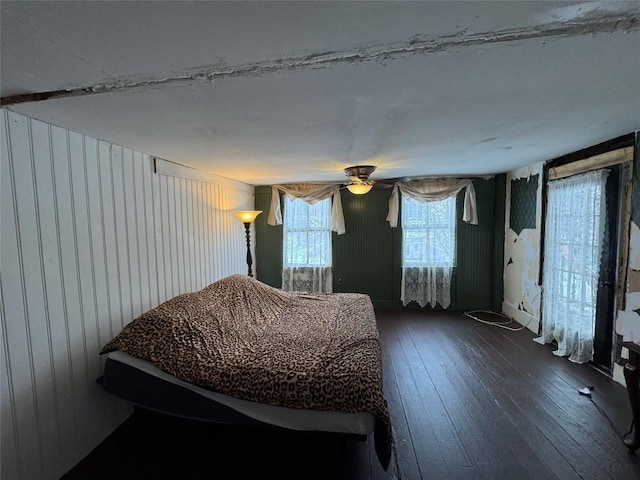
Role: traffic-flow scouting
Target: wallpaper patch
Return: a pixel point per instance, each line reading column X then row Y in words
column 523, row 203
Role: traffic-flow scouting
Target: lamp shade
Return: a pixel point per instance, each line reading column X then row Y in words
column 359, row 188
column 247, row 216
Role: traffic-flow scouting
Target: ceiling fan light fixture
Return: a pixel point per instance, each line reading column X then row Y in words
column 359, row 188
column 359, row 175
column 361, row 172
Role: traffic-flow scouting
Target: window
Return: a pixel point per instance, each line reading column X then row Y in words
column 428, row 251
column 428, row 233
column 307, row 233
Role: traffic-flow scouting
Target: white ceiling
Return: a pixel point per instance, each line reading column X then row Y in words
column 266, row 92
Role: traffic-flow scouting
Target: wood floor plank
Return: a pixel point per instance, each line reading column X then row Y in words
column 504, row 421
column 538, row 415
column 467, row 414
column 569, row 437
column 459, row 461
column 426, row 424
column 548, row 452
column 560, row 385
column 405, row 461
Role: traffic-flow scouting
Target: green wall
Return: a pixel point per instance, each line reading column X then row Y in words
column 268, row 248
column 366, row 259
column 367, row 256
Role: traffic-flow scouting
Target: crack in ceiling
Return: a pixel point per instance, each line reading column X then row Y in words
column 417, row 45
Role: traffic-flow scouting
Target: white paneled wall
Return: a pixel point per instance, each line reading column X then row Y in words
column 91, row 238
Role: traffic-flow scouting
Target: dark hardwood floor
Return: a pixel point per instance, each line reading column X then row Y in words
column 467, row 400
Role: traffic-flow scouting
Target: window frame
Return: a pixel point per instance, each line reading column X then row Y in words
column 324, row 230
column 428, row 231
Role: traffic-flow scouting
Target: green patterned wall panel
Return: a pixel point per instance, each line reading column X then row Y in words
column 523, row 203
column 268, row 242
column 475, row 252
column 363, row 258
column 498, row 242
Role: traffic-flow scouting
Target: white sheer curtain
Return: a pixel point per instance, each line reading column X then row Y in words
column 307, row 246
column 426, row 285
column 307, row 279
column 572, row 250
column 428, row 251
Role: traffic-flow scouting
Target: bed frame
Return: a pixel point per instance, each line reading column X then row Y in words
column 151, row 393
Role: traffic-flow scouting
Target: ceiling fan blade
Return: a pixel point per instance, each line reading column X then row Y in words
column 382, row 186
column 393, row 181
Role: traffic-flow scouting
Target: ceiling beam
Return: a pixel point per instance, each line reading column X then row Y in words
column 417, row 45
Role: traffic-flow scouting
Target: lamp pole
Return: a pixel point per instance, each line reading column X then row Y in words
column 247, row 217
column 247, row 230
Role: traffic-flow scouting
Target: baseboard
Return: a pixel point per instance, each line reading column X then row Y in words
column 387, row 304
column 522, row 317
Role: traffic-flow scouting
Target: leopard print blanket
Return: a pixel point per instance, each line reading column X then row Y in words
column 248, row 340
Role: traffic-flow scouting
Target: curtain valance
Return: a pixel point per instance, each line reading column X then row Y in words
column 432, row 190
column 310, row 193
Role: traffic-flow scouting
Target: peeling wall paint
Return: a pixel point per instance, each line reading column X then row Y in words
column 522, row 256
column 628, row 320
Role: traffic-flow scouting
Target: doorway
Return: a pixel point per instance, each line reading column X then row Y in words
column 579, row 269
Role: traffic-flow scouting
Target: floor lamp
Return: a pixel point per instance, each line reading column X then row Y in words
column 247, row 217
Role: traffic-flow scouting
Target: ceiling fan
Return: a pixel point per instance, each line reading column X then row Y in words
column 359, row 182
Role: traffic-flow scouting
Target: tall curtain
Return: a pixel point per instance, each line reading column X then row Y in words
column 428, row 251
column 307, row 246
column 572, row 251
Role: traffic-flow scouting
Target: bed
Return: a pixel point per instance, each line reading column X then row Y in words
column 240, row 351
